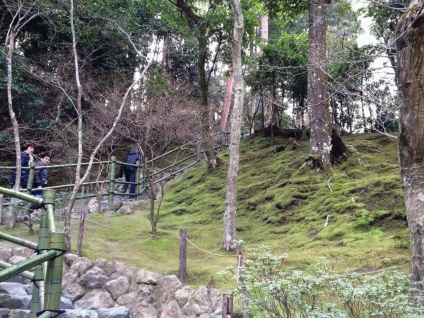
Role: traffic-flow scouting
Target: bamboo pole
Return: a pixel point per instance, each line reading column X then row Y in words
column 18, row 240
column 112, row 181
column 137, row 179
column 48, row 198
column 54, row 273
column 175, row 172
column 30, row 177
column 25, row 274
column 173, row 165
column 24, row 265
column 71, row 185
column 22, row 196
column 37, row 300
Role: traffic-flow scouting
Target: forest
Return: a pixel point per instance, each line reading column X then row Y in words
column 85, row 79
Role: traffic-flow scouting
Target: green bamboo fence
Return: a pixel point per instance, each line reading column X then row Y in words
column 47, row 264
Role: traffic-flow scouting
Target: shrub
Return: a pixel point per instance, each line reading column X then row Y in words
column 268, row 288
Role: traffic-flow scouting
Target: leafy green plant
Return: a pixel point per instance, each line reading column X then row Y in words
column 269, row 288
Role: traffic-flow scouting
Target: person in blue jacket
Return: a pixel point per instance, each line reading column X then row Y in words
column 129, row 171
column 26, row 160
column 40, row 175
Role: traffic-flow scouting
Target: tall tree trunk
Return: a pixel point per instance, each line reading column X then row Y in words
column 410, row 71
column 11, row 46
column 230, row 234
column 77, row 185
column 318, row 101
column 202, row 34
column 257, row 106
column 227, row 102
column 203, row 94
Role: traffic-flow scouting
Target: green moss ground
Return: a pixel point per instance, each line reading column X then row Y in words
column 281, row 203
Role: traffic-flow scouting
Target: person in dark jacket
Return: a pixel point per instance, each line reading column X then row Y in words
column 40, row 175
column 129, row 171
column 26, row 160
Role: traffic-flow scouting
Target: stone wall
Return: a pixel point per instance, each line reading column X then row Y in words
column 104, row 289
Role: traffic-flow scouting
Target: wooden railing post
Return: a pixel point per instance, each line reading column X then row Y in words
column 198, row 149
column 222, row 141
column 137, row 179
column 1, row 209
column 182, row 270
column 227, row 306
column 145, row 175
column 111, row 180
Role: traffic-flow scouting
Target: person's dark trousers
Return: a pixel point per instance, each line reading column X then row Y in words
column 37, row 193
column 129, row 177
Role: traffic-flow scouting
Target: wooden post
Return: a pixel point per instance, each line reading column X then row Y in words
column 182, row 271
column 145, row 175
column 112, row 180
column 198, row 149
column 137, row 179
column 1, row 208
column 227, row 306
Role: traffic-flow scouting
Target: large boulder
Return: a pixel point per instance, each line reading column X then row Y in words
column 144, row 310
column 74, row 292
column 16, row 259
column 183, row 295
column 15, row 313
column 14, row 296
column 166, row 288
column 118, row 287
column 95, row 299
column 6, row 252
column 81, row 265
column 23, row 251
column 172, row 310
column 115, row 269
column 94, row 278
column 198, row 303
column 146, row 277
column 125, row 210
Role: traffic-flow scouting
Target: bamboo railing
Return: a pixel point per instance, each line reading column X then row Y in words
column 47, row 264
column 141, row 182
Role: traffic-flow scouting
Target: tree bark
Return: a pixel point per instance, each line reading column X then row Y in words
column 202, row 35
column 227, row 102
column 230, row 234
column 318, row 101
column 12, row 114
column 410, row 71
